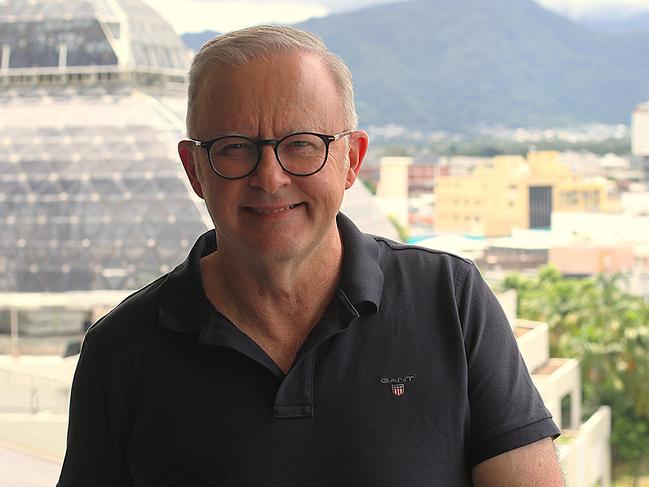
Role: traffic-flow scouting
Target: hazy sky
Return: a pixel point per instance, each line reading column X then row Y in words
column 224, row 15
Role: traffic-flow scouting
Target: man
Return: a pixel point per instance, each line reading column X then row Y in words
column 289, row 348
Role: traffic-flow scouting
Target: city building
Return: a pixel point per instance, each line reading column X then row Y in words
column 592, row 259
column 514, row 192
column 404, row 190
column 609, row 243
column 392, row 190
column 601, row 228
column 524, row 249
column 584, row 447
column 635, row 202
column 640, row 130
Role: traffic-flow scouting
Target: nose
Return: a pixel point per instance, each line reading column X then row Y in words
column 269, row 175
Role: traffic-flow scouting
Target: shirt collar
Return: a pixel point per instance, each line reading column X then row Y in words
column 185, row 308
column 362, row 277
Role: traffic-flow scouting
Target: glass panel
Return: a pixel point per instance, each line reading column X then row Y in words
column 37, row 44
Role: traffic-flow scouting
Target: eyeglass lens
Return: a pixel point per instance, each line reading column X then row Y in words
column 299, row 154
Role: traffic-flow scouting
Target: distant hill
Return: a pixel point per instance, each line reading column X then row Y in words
column 456, row 64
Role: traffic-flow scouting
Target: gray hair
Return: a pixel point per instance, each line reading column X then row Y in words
column 239, row 47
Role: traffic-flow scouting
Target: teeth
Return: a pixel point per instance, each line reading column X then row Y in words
column 270, row 212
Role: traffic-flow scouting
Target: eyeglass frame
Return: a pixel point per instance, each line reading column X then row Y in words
column 258, row 143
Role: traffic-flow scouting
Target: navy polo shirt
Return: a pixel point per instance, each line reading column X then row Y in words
column 411, row 377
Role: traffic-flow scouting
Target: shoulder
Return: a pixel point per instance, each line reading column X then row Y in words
column 422, row 261
column 364, row 250
column 138, row 311
column 405, row 249
column 426, row 272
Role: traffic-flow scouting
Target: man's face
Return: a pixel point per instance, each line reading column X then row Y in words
column 272, row 214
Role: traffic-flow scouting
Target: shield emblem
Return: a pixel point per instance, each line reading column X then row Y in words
column 398, row 389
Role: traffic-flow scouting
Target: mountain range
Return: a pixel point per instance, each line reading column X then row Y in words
column 460, row 64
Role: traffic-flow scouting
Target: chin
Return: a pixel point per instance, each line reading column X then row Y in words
column 277, row 247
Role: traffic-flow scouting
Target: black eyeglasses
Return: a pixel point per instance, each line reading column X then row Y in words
column 299, row 154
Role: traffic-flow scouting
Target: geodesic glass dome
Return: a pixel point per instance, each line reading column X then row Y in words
column 53, row 33
column 91, row 193
column 92, row 105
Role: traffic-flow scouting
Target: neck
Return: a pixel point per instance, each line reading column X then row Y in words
column 276, row 303
column 272, row 283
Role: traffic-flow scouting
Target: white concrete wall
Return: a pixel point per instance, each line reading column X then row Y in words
column 587, row 458
column 535, row 344
column 564, row 381
column 605, row 228
column 35, row 384
column 43, row 435
column 34, row 402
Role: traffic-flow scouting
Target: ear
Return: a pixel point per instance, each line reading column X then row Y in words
column 186, row 152
column 358, row 141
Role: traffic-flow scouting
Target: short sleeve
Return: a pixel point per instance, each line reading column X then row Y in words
column 507, row 411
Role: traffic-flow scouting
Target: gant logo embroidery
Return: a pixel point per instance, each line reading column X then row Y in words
column 398, row 384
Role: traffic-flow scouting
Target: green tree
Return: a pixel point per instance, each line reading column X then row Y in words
column 597, row 322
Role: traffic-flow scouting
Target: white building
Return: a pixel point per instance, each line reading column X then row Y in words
column 584, row 448
column 392, row 188
column 640, row 130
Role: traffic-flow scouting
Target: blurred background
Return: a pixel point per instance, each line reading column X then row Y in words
column 511, row 132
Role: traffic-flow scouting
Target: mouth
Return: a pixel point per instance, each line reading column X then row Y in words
column 262, row 210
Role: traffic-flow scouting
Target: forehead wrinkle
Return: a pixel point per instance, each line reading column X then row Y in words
column 306, row 99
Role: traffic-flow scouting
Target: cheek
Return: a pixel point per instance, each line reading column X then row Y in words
column 337, row 164
column 215, row 193
column 210, row 182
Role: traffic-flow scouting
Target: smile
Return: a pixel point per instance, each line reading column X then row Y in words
column 271, row 211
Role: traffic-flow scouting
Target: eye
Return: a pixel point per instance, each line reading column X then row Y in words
column 233, row 148
column 302, row 145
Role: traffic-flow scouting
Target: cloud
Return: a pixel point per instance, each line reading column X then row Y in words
column 226, row 15
column 329, row 5
column 223, row 16
column 580, row 8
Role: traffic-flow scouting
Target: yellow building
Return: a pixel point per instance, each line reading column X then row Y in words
column 513, row 192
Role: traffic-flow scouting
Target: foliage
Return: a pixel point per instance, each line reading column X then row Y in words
column 595, row 321
column 453, row 64
column 491, row 146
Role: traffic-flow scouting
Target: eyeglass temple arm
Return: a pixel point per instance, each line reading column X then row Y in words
column 341, row 134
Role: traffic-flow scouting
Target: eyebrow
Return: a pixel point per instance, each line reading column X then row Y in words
column 231, row 133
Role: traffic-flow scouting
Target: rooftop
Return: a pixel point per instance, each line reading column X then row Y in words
column 71, row 34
